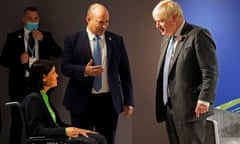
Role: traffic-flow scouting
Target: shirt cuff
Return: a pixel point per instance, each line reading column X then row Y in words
column 85, row 74
column 204, row 102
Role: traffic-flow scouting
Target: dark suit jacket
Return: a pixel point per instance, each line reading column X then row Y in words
column 76, row 55
column 10, row 58
column 192, row 76
column 38, row 119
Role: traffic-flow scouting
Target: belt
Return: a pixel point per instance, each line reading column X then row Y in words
column 102, row 94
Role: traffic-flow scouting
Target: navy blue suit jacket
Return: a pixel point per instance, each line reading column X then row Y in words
column 77, row 53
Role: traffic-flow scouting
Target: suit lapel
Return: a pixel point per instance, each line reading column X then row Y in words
column 108, row 39
column 179, row 46
column 85, row 42
column 163, row 51
column 176, row 53
column 20, row 40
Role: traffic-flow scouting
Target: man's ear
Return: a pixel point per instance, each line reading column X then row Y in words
column 87, row 19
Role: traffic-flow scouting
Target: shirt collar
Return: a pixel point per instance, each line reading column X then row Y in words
column 26, row 31
column 179, row 30
column 92, row 35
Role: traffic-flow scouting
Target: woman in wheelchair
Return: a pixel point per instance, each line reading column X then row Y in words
column 41, row 117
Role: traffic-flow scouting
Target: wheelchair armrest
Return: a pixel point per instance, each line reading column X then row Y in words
column 13, row 103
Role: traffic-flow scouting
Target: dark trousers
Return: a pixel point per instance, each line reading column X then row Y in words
column 192, row 132
column 100, row 116
column 184, row 132
column 170, row 125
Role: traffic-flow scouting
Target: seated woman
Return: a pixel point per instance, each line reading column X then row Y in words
column 41, row 117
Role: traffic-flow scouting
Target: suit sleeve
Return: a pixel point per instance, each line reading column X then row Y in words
column 10, row 56
column 73, row 60
column 125, row 77
column 207, row 61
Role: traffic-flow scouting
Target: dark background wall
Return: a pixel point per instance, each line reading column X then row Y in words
column 130, row 18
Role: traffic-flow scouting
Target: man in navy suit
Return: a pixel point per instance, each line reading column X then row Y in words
column 92, row 108
column 187, row 76
column 18, row 55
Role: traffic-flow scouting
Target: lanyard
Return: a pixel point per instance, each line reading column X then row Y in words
column 32, row 50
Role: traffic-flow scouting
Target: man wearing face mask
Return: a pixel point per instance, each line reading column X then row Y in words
column 21, row 49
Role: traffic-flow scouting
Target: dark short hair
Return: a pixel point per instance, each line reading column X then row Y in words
column 31, row 8
column 37, row 70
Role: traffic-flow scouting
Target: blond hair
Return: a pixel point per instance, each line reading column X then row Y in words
column 167, row 8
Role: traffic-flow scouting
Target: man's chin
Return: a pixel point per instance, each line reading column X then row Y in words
column 163, row 33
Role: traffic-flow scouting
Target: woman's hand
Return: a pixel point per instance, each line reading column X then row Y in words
column 84, row 132
column 73, row 132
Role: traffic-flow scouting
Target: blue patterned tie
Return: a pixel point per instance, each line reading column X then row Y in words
column 166, row 69
column 97, row 85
